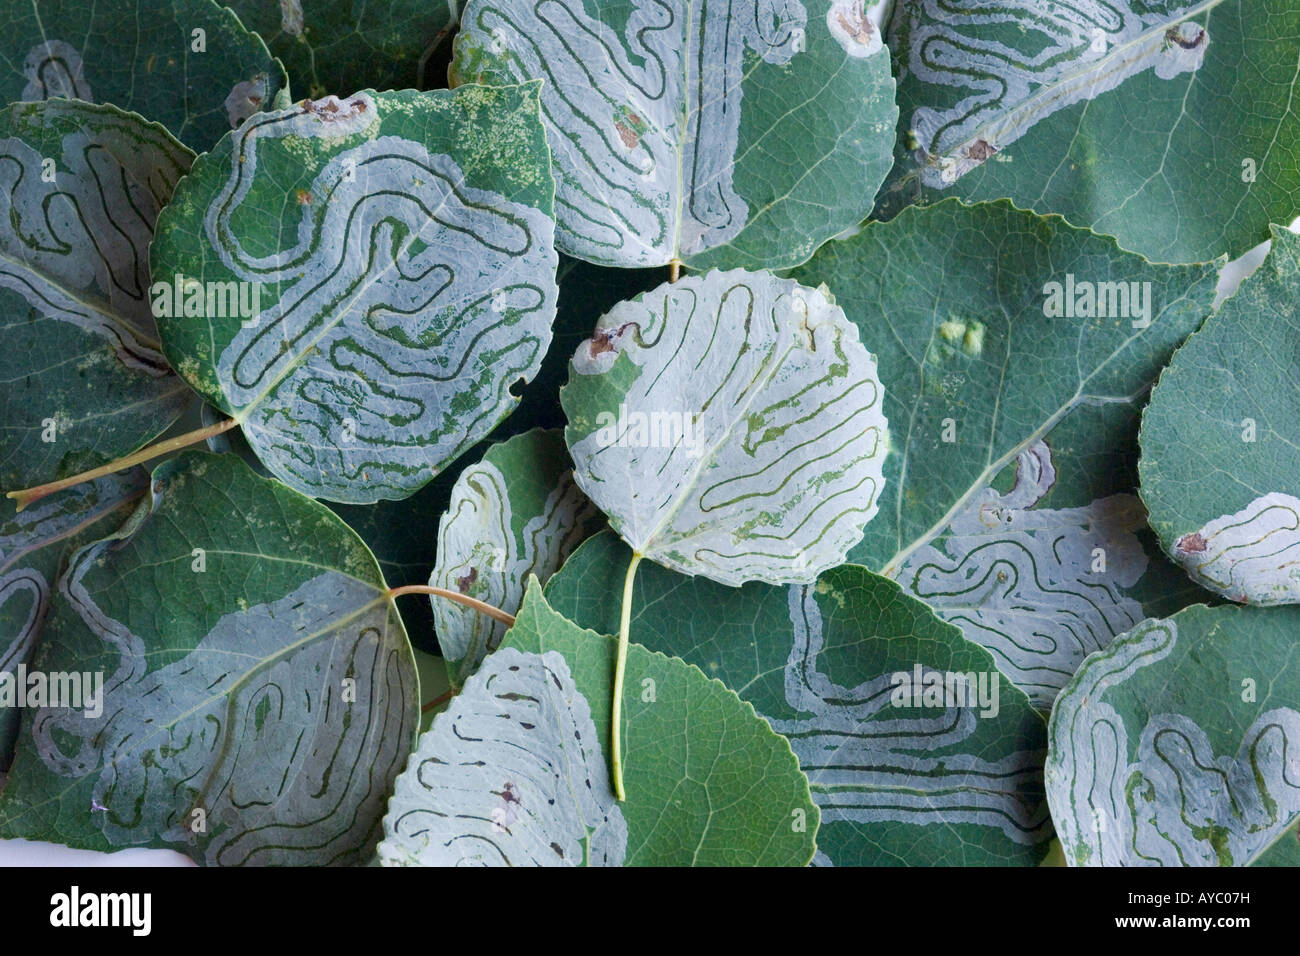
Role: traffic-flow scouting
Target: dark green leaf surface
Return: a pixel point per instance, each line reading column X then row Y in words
column 187, row 64
column 985, row 378
column 340, row 46
column 896, row 785
column 33, row 547
column 1221, row 441
column 85, row 380
column 1170, row 124
column 259, row 695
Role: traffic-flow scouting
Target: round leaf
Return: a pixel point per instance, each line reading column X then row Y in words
column 255, row 692
column 392, row 255
column 1018, row 352
column 729, row 425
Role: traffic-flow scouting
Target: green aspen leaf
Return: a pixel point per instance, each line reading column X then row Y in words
column 392, row 254
column 730, row 425
column 514, row 515
column 1003, row 335
column 514, row 771
column 1179, row 745
column 258, row 692
column 33, row 546
column 86, row 380
column 337, row 46
column 1221, row 443
column 187, row 64
column 953, row 780
column 717, row 134
column 1169, row 124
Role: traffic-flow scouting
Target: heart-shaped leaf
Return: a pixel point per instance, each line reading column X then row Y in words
column 1179, row 745
column 729, row 425
column 337, row 46
column 1169, row 124
column 392, row 255
column 1017, row 351
column 85, row 378
column 717, row 134
column 188, row 64
column 253, row 692
column 515, row 514
column 514, row 771
column 924, row 780
column 33, row 546
column 1221, row 441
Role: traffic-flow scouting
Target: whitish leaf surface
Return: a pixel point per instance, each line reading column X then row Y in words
column 33, row 546
column 337, row 46
column 514, row 514
column 393, row 253
column 1040, row 587
column 552, row 805
column 1221, row 441
column 988, row 381
column 514, row 772
column 85, row 378
column 730, row 425
column 1179, row 745
column 1171, row 125
column 258, row 692
column 721, row 134
column 944, row 779
column 188, row 64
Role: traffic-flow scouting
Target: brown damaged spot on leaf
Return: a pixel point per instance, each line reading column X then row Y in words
column 630, row 127
column 1176, row 36
column 606, row 340
column 980, row 150
column 1191, row 543
column 629, row 137
column 858, row 25
column 303, row 197
column 466, row 581
column 329, row 110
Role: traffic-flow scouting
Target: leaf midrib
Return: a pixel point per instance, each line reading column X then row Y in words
column 1095, row 66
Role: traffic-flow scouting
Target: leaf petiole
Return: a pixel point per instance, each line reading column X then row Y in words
column 481, row 606
column 37, row 492
column 620, row 667
column 437, row 701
